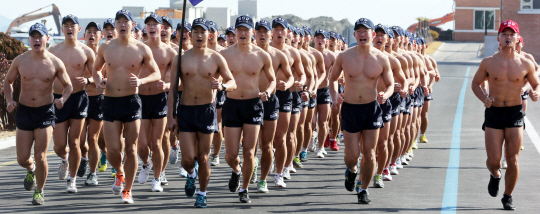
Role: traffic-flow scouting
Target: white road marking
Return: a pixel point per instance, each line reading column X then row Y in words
column 532, row 134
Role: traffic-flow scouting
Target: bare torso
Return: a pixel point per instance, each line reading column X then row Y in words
column 246, row 69
column 197, row 75
column 75, row 59
column 278, row 59
column 505, row 79
column 163, row 55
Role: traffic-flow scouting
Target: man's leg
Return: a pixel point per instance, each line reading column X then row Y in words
column 279, row 140
column 232, row 147
column 204, row 145
column 300, row 132
column 308, row 128
column 131, row 163
column 217, row 139
column 335, row 123
column 513, row 138
column 94, row 128
column 291, row 139
column 42, row 140
column 391, row 139
column 396, row 151
column 74, row 137
column 251, row 133
column 83, row 145
column 368, row 155
column 165, row 147
column 352, row 149
column 112, row 133
column 158, row 128
column 143, row 146
column 60, row 146
column 424, row 122
column 382, row 150
column 268, row 132
column 322, row 121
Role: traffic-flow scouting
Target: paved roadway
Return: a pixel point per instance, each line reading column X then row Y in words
column 420, row 187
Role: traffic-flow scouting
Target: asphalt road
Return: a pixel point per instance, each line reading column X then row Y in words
column 422, row 187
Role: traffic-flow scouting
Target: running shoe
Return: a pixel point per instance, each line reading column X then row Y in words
column 363, row 197
column 156, row 185
column 163, row 179
column 407, row 157
column 244, row 197
column 173, row 158
column 102, row 164
column 71, row 186
column 296, row 163
column 311, row 144
column 63, row 170
column 182, row 171
column 423, row 139
column 350, row 179
column 386, row 175
column 493, row 186
column 411, row 154
column 143, row 175
column 200, row 201
column 83, row 168
column 113, row 173
column 38, row 197
column 214, row 160
column 278, row 181
column 234, row 182
column 91, row 180
column 303, row 157
column 340, row 138
column 126, row 197
column 398, row 163
column 378, row 181
column 508, row 202
column 286, row 173
column 320, row 153
column 29, row 180
column 291, row 168
column 324, row 151
column 404, row 160
column 393, row 169
column 522, row 147
column 327, row 141
column 503, row 163
column 414, row 145
column 118, row 185
column 262, row 187
column 333, row 145
column 358, row 185
column 190, row 187
column 255, row 169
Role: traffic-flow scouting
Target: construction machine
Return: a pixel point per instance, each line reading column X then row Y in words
column 434, row 22
column 28, row 17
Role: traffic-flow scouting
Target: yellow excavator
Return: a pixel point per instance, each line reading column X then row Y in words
column 28, row 17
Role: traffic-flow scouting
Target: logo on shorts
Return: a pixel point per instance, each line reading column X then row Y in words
column 296, row 109
column 518, row 123
column 136, row 115
column 221, row 103
column 46, row 123
column 376, row 124
column 274, row 115
column 388, row 117
column 212, row 127
column 327, row 99
column 164, row 112
column 83, row 113
column 100, row 116
column 257, row 119
column 287, row 108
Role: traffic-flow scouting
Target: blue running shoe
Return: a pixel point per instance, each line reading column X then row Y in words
column 350, row 179
column 358, row 186
column 200, row 202
column 303, row 156
column 190, row 187
column 196, row 165
column 102, row 164
column 113, row 172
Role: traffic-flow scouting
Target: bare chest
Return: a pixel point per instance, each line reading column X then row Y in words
column 362, row 68
column 193, row 67
column 506, row 71
column 249, row 64
column 43, row 71
column 125, row 58
column 74, row 59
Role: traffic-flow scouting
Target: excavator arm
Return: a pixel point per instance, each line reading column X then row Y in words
column 434, row 22
column 28, row 18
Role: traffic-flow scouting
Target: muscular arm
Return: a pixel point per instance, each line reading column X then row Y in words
column 526, row 86
column 478, row 79
column 170, row 100
column 91, row 60
column 298, row 67
column 335, row 73
column 98, row 65
column 225, row 73
column 416, row 71
column 315, row 76
column 321, row 68
column 151, row 65
column 11, row 76
column 532, row 77
column 308, row 68
column 63, row 77
column 269, row 72
column 387, row 77
column 286, row 69
column 172, row 53
column 398, row 73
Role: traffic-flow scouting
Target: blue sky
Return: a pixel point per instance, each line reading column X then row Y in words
column 388, row 12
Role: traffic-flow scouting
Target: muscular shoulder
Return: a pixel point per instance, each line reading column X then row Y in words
column 526, row 61
column 57, row 62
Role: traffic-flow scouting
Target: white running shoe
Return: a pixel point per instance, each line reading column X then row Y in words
column 407, row 157
column 320, row 153
column 404, row 160
column 63, row 170
column 214, row 160
column 182, row 172
column 126, row 198
column 173, row 158
column 503, row 163
column 71, row 186
column 291, row 168
column 411, row 154
column 393, row 169
column 398, row 163
column 143, row 175
column 386, row 176
column 278, row 181
column 156, row 185
column 286, row 173
column 324, row 151
column 163, row 179
column 118, row 185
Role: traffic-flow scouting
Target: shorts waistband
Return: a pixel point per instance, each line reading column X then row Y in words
column 324, row 88
column 153, row 95
column 101, row 95
column 252, row 100
column 124, row 97
column 56, row 96
column 286, row 91
column 22, row 106
column 197, row 106
column 506, row 108
column 358, row 105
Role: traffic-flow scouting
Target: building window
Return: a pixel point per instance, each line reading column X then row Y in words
column 530, row 4
column 480, row 17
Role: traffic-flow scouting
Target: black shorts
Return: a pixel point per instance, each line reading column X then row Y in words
column 420, row 97
column 395, row 100
column 154, row 106
column 525, row 95
column 358, row 117
column 94, row 107
column 197, row 118
column 31, row 118
column 341, row 89
column 305, row 104
column 236, row 113
column 312, row 103
column 75, row 107
column 296, row 103
column 285, row 100
column 386, row 111
column 408, row 104
column 323, row 96
column 221, row 96
column 504, row 117
column 123, row 109
column 271, row 108
column 428, row 98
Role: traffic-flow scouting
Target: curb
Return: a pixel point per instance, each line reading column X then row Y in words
column 7, row 142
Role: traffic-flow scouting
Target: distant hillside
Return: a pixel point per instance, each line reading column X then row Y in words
column 322, row 22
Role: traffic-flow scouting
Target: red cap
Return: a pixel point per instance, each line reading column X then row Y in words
column 521, row 40
column 509, row 24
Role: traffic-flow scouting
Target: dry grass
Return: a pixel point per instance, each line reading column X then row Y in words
column 433, row 47
column 6, row 134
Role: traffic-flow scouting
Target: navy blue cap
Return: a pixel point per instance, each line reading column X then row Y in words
column 200, row 22
column 411, row 41
column 39, row 28
column 70, row 17
column 213, row 26
column 94, row 24
column 295, row 31
column 301, row 31
column 144, row 31
column 245, row 21
column 291, row 28
column 345, row 40
column 137, row 27
column 222, row 36
column 108, row 22
column 263, row 23
column 168, row 20
column 253, row 38
column 307, row 30
column 364, row 22
column 125, row 13
column 424, row 41
column 340, row 37
column 391, row 33
column 384, row 28
column 173, row 35
column 155, row 17
column 230, row 30
column 280, row 21
column 185, row 25
column 322, row 32
column 397, row 29
column 327, row 35
column 333, row 34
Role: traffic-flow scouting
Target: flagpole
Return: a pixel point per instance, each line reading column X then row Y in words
column 175, row 86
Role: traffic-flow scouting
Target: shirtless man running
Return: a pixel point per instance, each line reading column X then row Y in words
column 230, row 36
column 77, row 57
column 506, row 72
column 35, row 115
column 167, row 32
column 243, row 109
column 362, row 66
column 123, row 58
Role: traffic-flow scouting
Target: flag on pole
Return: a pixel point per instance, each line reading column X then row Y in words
column 195, row 2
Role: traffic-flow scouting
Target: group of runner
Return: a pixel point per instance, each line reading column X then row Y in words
column 261, row 83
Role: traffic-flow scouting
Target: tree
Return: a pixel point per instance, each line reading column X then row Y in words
column 9, row 49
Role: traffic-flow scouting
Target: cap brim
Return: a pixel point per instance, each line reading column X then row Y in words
column 320, row 34
column 260, row 26
column 244, row 25
column 92, row 24
column 105, row 25
column 275, row 24
column 39, row 31
column 368, row 27
column 230, row 31
column 504, row 28
column 119, row 15
column 146, row 20
column 201, row 25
